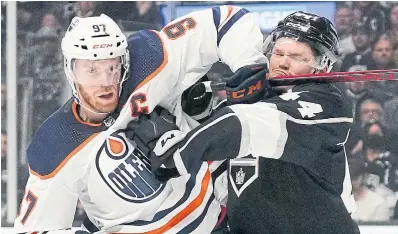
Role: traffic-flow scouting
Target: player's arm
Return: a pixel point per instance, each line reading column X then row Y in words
column 189, row 46
column 230, row 131
column 47, row 205
column 51, row 193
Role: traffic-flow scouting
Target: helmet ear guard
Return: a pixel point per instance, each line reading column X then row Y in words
column 318, row 32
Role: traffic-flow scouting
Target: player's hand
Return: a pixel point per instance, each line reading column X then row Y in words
column 248, row 85
column 196, row 101
column 157, row 136
column 147, row 130
column 162, row 160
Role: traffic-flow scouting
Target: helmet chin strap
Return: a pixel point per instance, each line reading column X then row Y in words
column 79, row 102
column 93, row 111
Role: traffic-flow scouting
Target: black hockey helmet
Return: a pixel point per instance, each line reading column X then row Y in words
column 316, row 31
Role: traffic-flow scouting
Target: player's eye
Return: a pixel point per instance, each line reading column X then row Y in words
column 300, row 58
column 304, row 60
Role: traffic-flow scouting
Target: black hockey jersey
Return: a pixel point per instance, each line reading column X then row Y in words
column 288, row 171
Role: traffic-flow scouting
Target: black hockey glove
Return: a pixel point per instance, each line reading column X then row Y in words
column 157, row 136
column 248, row 85
column 146, row 131
column 196, row 101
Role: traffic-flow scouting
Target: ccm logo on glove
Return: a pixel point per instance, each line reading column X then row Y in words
column 247, row 91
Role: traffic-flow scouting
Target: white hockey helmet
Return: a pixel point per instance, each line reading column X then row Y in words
column 94, row 38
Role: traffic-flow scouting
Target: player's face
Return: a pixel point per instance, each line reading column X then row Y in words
column 97, row 82
column 290, row 57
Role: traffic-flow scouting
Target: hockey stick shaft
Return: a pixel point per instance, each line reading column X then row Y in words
column 334, row 77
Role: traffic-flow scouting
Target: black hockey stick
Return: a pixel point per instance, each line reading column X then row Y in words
column 333, row 77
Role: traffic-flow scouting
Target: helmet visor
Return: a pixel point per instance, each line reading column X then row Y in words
column 92, row 73
column 294, row 50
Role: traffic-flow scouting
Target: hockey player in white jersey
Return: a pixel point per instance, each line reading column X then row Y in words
column 81, row 151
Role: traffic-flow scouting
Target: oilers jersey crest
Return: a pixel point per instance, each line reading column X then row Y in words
column 125, row 170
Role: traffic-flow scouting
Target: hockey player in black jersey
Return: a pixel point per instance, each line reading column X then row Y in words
column 287, row 168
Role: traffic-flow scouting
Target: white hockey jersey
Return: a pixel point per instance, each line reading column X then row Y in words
column 72, row 160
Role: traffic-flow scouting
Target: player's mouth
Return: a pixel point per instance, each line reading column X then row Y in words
column 277, row 72
column 107, row 96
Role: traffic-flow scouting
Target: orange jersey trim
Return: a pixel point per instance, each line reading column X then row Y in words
column 74, row 110
column 62, row 164
column 230, row 9
column 186, row 211
column 160, row 68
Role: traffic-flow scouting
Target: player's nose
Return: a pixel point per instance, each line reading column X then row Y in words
column 284, row 63
column 107, row 80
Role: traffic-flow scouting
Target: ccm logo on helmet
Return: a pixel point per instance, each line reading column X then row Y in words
column 102, row 46
column 298, row 26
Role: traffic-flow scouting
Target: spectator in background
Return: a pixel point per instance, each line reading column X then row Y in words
column 43, row 62
column 3, row 103
column 343, row 21
column 3, row 146
column 372, row 17
column 390, row 119
column 47, row 41
column 361, row 59
column 381, row 164
column 371, row 206
column 353, row 91
column 392, row 33
column 369, row 109
column 49, row 20
column 118, row 10
column 146, row 12
column 44, row 53
column 87, row 9
column 49, row 23
column 27, row 19
column 3, row 175
column 356, row 16
column 382, row 54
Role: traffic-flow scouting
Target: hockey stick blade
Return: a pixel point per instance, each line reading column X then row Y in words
column 334, row 77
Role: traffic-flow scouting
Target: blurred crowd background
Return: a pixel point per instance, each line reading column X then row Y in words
column 368, row 41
